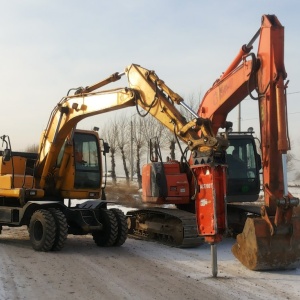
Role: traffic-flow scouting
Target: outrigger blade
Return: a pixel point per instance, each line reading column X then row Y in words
column 257, row 249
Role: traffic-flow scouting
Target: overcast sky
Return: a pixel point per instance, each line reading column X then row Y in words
column 48, row 47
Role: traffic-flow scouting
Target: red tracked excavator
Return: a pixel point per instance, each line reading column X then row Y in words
column 271, row 236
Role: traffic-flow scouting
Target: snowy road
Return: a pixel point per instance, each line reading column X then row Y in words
column 137, row 270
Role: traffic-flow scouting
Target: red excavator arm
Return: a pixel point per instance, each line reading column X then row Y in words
column 270, row 242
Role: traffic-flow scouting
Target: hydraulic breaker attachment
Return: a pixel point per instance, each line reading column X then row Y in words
column 210, row 202
column 210, row 206
column 258, row 248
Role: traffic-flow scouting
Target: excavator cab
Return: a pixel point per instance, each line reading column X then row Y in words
column 87, row 161
column 244, row 165
column 81, row 165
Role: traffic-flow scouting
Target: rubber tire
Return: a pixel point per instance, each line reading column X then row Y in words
column 42, row 230
column 61, row 229
column 122, row 226
column 108, row 236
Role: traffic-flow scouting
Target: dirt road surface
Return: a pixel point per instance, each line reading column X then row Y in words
column 136, row 270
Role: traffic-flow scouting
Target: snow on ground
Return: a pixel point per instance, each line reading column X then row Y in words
column 243, row 283
column 136, row 270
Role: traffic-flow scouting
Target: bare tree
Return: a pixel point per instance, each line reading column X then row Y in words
column 34, row 148
column 169, row 142
column 172, row 148
column 193, row 102
column 297, row 176
column 110, row 134
column 123, row 143
column 143, row 129
column 153, row 128
column 139, row 140
column 290, row 158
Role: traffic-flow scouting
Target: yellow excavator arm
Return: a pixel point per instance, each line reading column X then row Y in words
column 67, row 114
column 145, row 90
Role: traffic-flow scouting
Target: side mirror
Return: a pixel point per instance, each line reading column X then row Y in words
column 106, row 147
column 6, row 155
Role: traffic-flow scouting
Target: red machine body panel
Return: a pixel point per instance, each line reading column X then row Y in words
column 164, row 183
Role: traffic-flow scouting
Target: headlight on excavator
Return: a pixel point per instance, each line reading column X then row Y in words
column 31, row 193
column 94, row 195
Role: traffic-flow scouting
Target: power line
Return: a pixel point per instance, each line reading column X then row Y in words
column 296, row 112
column 297, row 92
column 292, row 113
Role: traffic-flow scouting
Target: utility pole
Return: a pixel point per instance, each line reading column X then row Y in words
column 239, row 117
column 131, row 149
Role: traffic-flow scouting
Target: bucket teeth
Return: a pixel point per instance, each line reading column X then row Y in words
column 258, row 250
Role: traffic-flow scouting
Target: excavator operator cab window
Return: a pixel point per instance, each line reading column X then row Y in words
column 87, row 162
column 243, row 167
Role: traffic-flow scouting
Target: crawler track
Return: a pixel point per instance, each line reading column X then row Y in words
column 168, row 226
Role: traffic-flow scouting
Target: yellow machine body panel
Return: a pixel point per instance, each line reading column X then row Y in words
column 16, row 165
column 17, row 181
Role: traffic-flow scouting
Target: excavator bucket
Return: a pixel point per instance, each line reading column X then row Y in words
column 258, row 250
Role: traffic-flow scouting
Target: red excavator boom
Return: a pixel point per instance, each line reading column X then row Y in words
column 272, row 241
